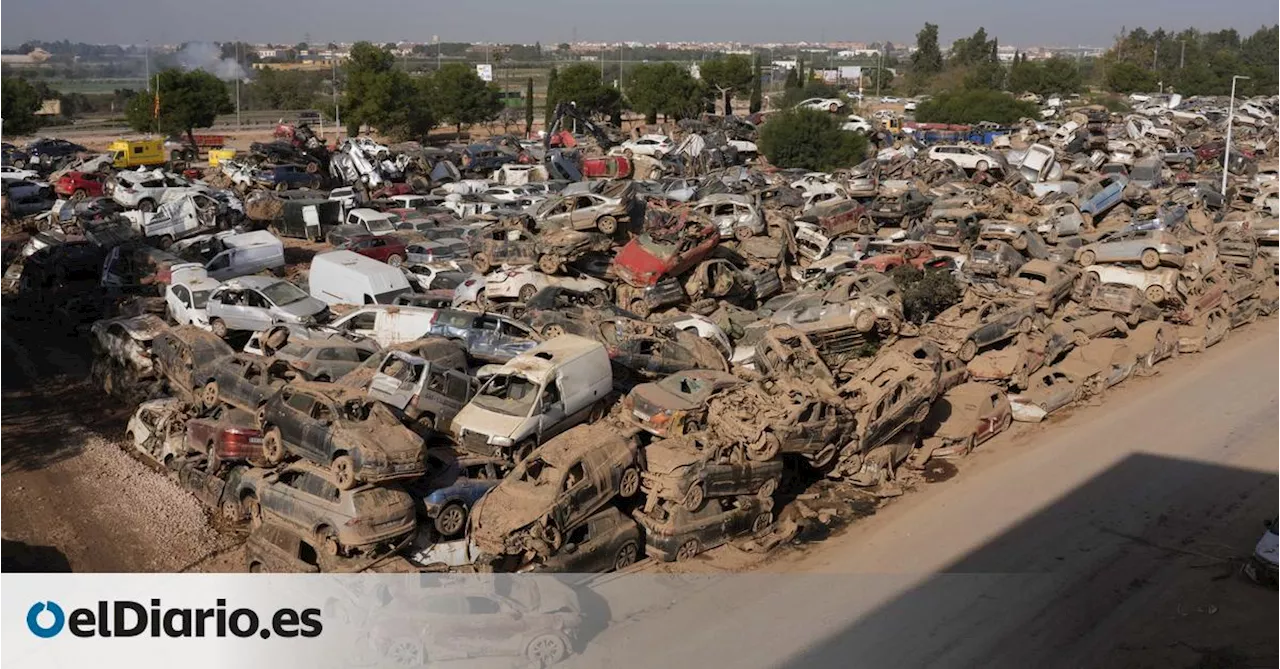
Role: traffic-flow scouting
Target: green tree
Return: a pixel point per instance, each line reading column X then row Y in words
column 757, row 94
column 188, row 100
column 374, row 92
column 528, row 107
column 811, row 140
column 551, row 99
column 726, row 75
column 801, row 79
column 664, row 88
column 1126, row 77
column 927, row 60
column 1060, row 75
column 462, row 97
column 925, row 293
column 581, row 84
column 1025, row 77
column 792, row 80
column 873, row 75
column 974, row 106
column 19, row 101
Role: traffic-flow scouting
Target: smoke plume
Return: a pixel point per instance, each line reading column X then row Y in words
column 208, row 57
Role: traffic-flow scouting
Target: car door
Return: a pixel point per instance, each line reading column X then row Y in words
column 229, row 306
column 318, row 501
column 581, row 492
column 397, row 380
column 319, row 428
column 282, row 498
column 294, row 419
column 178, row 299
column 233, row 384
column 512, row 338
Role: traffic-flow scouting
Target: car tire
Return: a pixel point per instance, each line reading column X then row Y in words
column 252, row 509
column 767, row 451
column 344, row 472
column 328, row 542
column 694, row 499
column 548, row 263
column 743, row 234
column 481, row 263
column 394, row 260
column 640, row 308
column 983, row 166
column 451, row 521
column 968, row 350
column 1086, row 258
column 865, row 321
column 546, row 650
column 209, row 395
column 626, row 556
column 607, row 224
column 767, row 489
column 146, row 206
column 527, row 292
column 1019, row 243
column 1150, row 259
column 762, row 522
column 272, row 446
column 219, row 327
column 1025, row 325
column 1155, row 294
column 629, row 483
column 687, row 550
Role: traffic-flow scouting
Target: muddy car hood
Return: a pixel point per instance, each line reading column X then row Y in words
column 661, row 399
column 475, row 418
column 389, row 440
column 507, row 509
column 663, row 459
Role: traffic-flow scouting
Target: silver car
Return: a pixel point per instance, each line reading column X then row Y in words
column 257, row 302
column 1152, row 248
column 734, row 215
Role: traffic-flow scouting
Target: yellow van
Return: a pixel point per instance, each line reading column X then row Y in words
column 137, row 153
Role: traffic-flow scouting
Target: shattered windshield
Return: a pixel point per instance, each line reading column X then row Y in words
column 508, row 394
column 539, row 473
column 383, row 224
column 283, row 292
column 684, row 385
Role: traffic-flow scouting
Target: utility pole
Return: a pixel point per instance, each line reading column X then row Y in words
column 879, row 71
column 337, row 115
column 602, row 63
column 1155, row 62
column 436, row 40
column 148, row 62
column 1182, row 60
column 238, row 124
column 1226, row 147
column 621, row 46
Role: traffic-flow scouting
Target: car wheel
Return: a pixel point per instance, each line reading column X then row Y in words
column 231, row 512
column 1150, row 259
column 406, row 652
column 79, row 194
column 983, row 166
column 328, row 542
column 481, row 262
column 527, row 292
column 344, row 472
column 553, row 330
column 272, row 446
column 762, row 523
column 1025, row 325
column 640, row 308
column 1087, row 258
column 767, row 489
column 865, row 321
column 687, row 550
column 146, row 206
column 866, row 226
column 451, row 520
column 209, row 396
column 767, row 449
column 694, row 498
column 626, row 556
column 628, row 153
column 252, row 509
column 548, row 263
column 219, row 328
column 629, row 485
column 546, row 650
column 1019, row 243
column 743, row 234
column 607, row 224
column 165, row 242
column 968, row 350
column 1007, row 422
column 394, row 260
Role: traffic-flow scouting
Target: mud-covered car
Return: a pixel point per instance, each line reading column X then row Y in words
column 555, row 310
column 640, row 349
column 226, row 436
column 1012, row 365
column 884, row 257
column 485, row 336
column 1125, row 300
column 964, row 417
column 126, row 341
column 1153, row 341
column 1113, row 357
column 359, row 439
column 966, row 328
column 425, row 392
column 1047, row 284
column 1150, row 248
column 1084, row 325
column 1157, row 284
column 325, row 356
column 454, row 483
column 840, row 329
column 992, row 257
column 244, row 381
column 308, row 500
column 676, row 405
column 272, row 548
column 1022, row 238
column 674, row 533
column 951, row 228
column 1203, row 329
column 735, row 216
column 180, row 352
column 1049, row 391
column 157, row 429
column 899, row 204
column 690, row 469
column 607, row 541
column 769, row 421
column 555, row 488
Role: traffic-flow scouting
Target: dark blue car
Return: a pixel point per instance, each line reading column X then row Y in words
column 452, row 487
column 282, row 177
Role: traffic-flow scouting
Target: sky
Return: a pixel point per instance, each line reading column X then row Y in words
column 1014, row 22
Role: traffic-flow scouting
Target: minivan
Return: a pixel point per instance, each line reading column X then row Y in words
column 387, row 325
column 346, row 277
column 536, row 395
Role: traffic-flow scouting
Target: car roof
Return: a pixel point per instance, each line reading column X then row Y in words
column 251, row 282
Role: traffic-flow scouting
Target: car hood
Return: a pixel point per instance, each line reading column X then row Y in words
column 388, row 440
column 663, row 459
column 309, row 306
column 655, row 398
column 506, row 509
column 1269, row 548
column 477, row 419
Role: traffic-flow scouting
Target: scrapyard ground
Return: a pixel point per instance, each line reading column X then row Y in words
column 74, row 499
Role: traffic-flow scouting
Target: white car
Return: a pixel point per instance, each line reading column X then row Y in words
column 703, row 327
column 522, row 283
column 146, row 191
column 889, row 100
column 506, row 193
column 813, row 181
column 857, row 124
column 1261, row 567
column 186, row 300
column 832, row 105
column 654, row 146
column 968, row 157
column 11, row 173
column 909, row 105
column 158, row 428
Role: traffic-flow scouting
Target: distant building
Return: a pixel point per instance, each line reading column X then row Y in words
column 269, row 53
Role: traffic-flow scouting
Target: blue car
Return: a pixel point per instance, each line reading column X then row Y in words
column 445, row 496
column 282, row 177
column 1100, row 195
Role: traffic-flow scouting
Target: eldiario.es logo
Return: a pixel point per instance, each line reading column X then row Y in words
column 124, row 618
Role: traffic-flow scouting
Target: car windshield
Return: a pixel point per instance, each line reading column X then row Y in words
column 382, row 224
column 199, row 298
column 684, row 385
column 283, row 292
column 508, row 394
column 1143, row 173
column 360, row 410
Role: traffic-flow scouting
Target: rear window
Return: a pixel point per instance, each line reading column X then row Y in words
column 375, row 500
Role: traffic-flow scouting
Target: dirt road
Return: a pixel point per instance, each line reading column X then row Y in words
column 1108, row 539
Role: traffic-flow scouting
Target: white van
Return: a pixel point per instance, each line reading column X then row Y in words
column 245, row 253
column 345, row 277
column 387, row 325
column 535, row 396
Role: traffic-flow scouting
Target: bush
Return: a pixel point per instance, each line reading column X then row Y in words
column 975, row 106
column 810, row 140
column 925, row 293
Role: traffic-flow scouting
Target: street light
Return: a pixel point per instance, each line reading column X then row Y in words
column 1226, row 149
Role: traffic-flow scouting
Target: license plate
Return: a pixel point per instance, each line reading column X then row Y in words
column 641, row 415
column 886, row 209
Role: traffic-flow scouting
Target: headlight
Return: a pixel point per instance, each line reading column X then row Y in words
column 500, row 441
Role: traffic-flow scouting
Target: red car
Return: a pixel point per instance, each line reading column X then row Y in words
column 885, row 257
column 228, row 435
column 80, row 184
column 606, row 167
column 387, row 248
column 668, row 248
